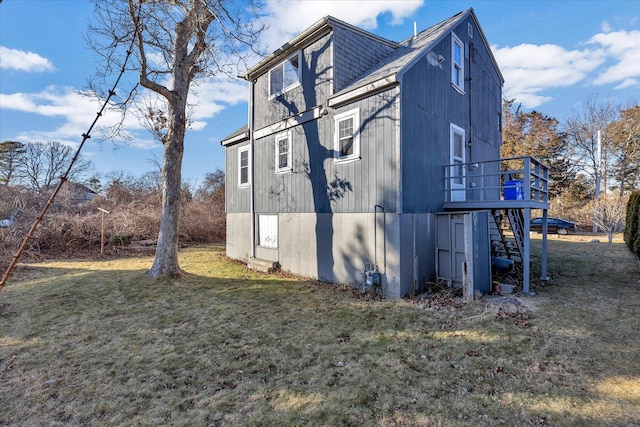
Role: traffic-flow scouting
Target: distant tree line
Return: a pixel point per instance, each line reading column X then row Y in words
column 29, row 172
column 593, row 158
column 38, row 165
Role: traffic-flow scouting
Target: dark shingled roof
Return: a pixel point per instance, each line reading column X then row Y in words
column 397, row 62
column 409, row 50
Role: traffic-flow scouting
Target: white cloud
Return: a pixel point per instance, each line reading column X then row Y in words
column 211, row 97
column 23, row 61
column 627, row 83
column 75, row 110
column 78, row 111
column 531, row 69
column 288, row 18
column 623, row 48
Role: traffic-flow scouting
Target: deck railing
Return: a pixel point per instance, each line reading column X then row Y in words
column 514, row 178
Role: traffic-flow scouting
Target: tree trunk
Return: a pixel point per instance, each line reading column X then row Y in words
column 166, row 262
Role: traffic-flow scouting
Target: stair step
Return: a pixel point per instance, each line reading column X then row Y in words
column 262, row 265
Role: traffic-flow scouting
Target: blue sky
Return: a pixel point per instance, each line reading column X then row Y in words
column 553, row 54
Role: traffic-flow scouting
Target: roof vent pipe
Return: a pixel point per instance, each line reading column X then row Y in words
column 415, row 29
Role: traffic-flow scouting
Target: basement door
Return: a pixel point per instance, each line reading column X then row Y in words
column 463, row 241
column 450, row 255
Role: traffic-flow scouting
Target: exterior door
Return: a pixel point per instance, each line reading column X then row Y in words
column 457, row 179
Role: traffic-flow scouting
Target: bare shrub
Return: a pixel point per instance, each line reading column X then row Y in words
column 73, row 225
column 202, row 221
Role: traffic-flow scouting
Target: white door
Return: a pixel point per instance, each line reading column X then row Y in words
column 268, row 231
column 457, row 179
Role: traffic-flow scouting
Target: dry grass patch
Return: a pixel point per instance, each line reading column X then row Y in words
column 98, row 343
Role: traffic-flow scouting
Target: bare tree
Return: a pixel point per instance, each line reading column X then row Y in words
column 609, row 214
column 591, row 144
column 43, row 163
column 176, row 42
column 535, row 134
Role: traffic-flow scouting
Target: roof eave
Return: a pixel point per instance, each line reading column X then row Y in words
column 244, row 136
column 486, row 43
column 364, row 91
column 315, row 31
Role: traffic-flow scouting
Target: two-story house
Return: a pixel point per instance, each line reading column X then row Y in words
column 361, row 152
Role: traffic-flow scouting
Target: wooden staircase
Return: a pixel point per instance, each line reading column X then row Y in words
column 501, row 245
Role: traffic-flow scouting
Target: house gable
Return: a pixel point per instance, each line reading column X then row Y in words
column 389, row 71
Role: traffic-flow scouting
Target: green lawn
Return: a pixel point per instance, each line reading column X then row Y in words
column 98, row 343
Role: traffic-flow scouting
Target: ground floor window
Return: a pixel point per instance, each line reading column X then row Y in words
column 243, row 169
column 347, row 136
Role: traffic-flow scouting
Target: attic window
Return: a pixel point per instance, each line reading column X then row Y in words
column 285, row 76
column 457, row 63
column 470, row 29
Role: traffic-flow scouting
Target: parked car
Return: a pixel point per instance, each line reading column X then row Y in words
column 554, row 225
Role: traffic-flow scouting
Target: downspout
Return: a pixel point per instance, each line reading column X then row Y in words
column 469, row 79
column 399, row 199
column 251, row 167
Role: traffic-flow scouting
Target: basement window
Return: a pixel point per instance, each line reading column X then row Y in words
column 285, row 76
column 268, row 230
column 347, row 136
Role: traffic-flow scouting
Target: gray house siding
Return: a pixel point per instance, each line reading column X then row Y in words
column 315, row 87
column 334, row 217
column 317, row 183
column 430, row 104
column 237, row 199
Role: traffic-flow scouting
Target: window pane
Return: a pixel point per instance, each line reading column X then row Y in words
column 346, row 147
column 283, row 159
column 458, row 172
column 283, row 153
column 456, row 53
column 275, row 84
column 244, row 167
column 291, row 72
column 346, row 128
column 458, row 146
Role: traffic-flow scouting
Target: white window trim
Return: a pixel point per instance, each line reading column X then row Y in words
column 287, row 88
column 456, row 41
column 279, row 137
column 240, row 151
column 355, row 114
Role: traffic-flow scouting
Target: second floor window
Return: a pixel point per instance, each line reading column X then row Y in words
column 285, row 75
column 283, row 152
column 347, row 136
column 243, row 159
column 457, row 62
